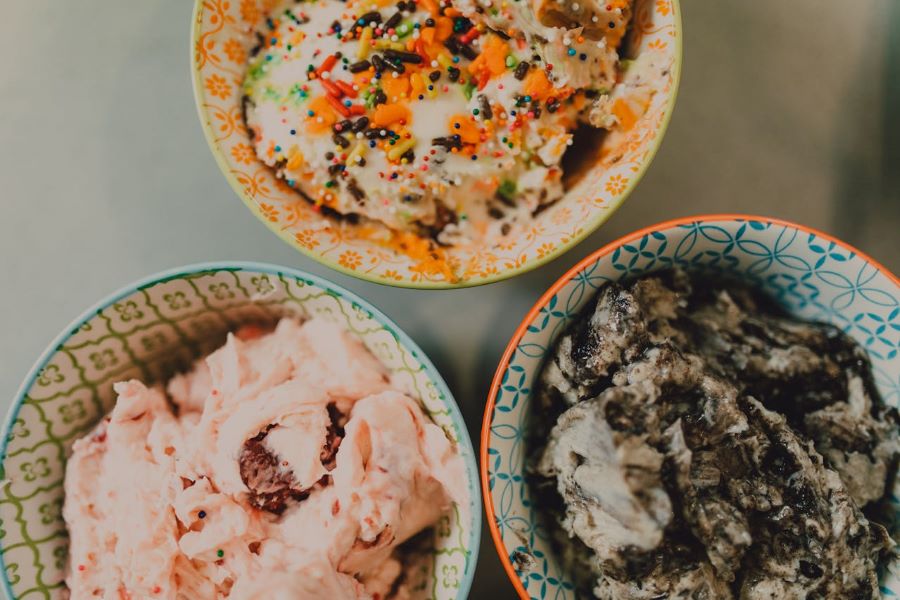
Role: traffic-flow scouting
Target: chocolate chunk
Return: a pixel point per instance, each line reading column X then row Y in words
column 485, row 104
column 270, row 487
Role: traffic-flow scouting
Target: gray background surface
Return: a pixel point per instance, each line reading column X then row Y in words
column 788, row 109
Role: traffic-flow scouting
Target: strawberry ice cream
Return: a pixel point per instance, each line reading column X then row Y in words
column 284, row 465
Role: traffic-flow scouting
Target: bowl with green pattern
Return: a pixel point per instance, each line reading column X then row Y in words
column 156, row 327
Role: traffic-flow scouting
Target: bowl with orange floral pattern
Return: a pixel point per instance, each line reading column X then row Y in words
column 597, row 173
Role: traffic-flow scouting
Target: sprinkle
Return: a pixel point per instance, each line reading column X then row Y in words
column 220, row 553
column 364, row 39
column 336, row 104
column 346, row 88
column 326, row 65
column 156, row 589
column 522, row 70
column 359, row 66
column 571, row 51
column 332, row 89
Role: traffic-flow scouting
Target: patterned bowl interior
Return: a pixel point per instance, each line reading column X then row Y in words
column 160, row 326
column 813, row 277
column 221, row 38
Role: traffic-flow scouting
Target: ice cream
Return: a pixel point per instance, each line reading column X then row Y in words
column 284, row 465
column 446, row 120
column 703, row 444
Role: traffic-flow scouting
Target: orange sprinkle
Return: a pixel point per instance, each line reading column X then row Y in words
column 321, row 108
column 387, row 114
column 624, row 114
column 327, row 64
column 346, row 88
column 394, row 87
column 463, row 126
column 337, row 105
column 537, row 85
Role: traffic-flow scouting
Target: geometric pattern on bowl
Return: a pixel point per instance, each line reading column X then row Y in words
column 812, row 275
column 155, row 328
column 221, row 37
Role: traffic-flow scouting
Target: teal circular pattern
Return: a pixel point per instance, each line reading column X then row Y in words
column 812, row 275
column 158, row 326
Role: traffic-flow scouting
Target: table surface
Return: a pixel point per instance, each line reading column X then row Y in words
column 783, row 111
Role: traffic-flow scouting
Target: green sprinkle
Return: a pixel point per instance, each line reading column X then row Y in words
column 511, row 61
column 404, row 29
column 220, row 553
column 469, row 89
column 507, row 189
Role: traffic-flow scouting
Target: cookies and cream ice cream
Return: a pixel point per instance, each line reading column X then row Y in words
column 703, row 444
column 446, row 119
column 284, row 465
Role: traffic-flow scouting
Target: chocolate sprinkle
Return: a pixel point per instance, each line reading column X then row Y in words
column 370, row 17
column 359, row 67
column 522, row 70
column 394, row 20
column 360, row 124
column 340, row 140
column 407, row 57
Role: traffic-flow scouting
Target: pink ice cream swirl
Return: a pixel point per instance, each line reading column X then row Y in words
column 285, row 465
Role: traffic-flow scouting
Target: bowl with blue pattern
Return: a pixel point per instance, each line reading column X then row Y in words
column 809, row 273
column 156, row 327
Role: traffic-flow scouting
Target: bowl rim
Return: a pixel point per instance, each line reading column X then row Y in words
column 520, row 331
column 591, row 226
column 475, row 518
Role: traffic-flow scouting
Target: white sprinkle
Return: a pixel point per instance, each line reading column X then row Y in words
column 395, row 38
column 320, row 120
column 394, row 74
column 356, row 87
column 575, row 6
column 434, row 63
column 359, row 135
column 326, row 75
column 594, row 19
